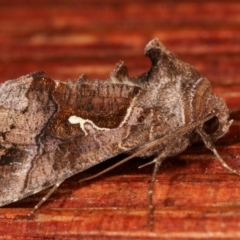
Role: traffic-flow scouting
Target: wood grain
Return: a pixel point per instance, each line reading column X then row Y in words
column 194, row 196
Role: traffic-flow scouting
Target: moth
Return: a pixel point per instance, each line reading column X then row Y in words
column 51, row 130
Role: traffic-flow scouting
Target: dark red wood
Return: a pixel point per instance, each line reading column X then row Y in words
column 195, row 197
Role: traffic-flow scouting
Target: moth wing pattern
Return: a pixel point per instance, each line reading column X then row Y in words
column 39, row 145
column 51, row 130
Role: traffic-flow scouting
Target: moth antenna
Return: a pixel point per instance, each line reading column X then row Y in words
column 50, row 192
column 110, row 168
column 210, row 145
column 152, row 144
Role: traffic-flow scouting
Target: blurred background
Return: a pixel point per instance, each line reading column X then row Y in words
column 67, row 38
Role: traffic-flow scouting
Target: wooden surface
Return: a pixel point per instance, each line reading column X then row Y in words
column 194, row 196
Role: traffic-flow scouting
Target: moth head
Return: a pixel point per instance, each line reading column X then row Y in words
column 219, row 124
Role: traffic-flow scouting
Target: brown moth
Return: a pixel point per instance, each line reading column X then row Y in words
column 51, row 130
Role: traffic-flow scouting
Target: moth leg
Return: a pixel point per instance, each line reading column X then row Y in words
column 147, row 164
column 210, row 145
column 158, row 161
column 50, row 192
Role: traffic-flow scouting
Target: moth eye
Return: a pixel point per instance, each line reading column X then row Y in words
column 211, row 125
